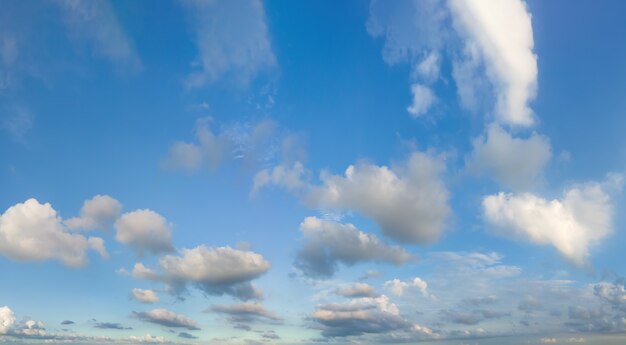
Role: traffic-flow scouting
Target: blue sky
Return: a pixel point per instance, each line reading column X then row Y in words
column 357, row 172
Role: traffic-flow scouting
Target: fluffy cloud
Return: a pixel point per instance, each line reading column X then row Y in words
column 215, row 271
column 327, row 243
column 97, row 213
column 501, row 36
column 31, row 231
column 359, row 316
column 7, row 319
column 96, row 24
column 215, row 24
column 423, row 99
column 581, row 218
column 356, row 290
column 514, row 162
column 167, row 318
column 145, row 231
column 145, row 296
column 245, row 312
column 409, row 201
column 209, row 149
column 398, row 287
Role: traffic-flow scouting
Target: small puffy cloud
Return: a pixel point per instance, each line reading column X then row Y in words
column 96, row 24
column 573, row 224
column 31, row 231
column 359, row 316
column 356, row 290
column 215, row 271
column 245, row 312
column 501, row 36
column 327, row 243
column 145, row 296
column 423, row 99
column 7, row 319
column 144, row 231
column 516, row 163
column 409, row 201
column 215, row 24
column 98, row 212
column 398, row 287
column 167, row 318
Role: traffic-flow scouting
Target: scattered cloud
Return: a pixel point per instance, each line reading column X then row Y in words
column 145, row 296
column 98, row 212
column 167, row 318
column 144, row 231
column 111, row 325
column 398, row 287
column 573, row 224
column 215, row 24
column 423, row 99
column 243, row 313
column 357, row 290
column 31, row 231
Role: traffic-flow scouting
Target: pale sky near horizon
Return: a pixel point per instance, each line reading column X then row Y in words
column 291, row 172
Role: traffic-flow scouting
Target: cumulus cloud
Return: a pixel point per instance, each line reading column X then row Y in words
column 515, row 163
column 501, row 36
column 98, row 212
column 96, row 24
column 215, row 24
column 359, row 316
column 356, row 290
column 398, row 287
column 423, row 99
column 144, row 231
column 167, row 318
column 409, row 201
column 327, row 243
column 215, row 271
column 31, row 231
column 246, row 313
column 7, row 319
column 145, row 296
column 573, row 224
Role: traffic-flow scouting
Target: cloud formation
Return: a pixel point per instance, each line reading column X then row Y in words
column 327, row 243
column 31, row 231
column 409, row 201
column 215, row 271
column 145, row 296
column 98, row 212
column 216, row 23
column 167, row 318
column 247, row 312
column 145, row 231
column 572, row 224
column 398, row 287
column 357, row 290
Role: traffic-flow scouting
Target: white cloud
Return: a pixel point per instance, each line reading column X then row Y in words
column 96, row 24
column 7, row 320
column 501, row 35
column 167, row 318
column 145, row 231
column 398, row 287
column 31, row 231
column 145, row 296
column 573, row 224
column 209, row 149
column 409, row 201
column 423, row 99
column 514, row 162
column 216, row 271
column 356, row 290
column 328, row 243
column 216, row 23
column 97, row 213
column 428, row 68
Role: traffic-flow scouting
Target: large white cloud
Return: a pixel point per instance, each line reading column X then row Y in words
column 501, row 35
column 31, row 231
column 145, row 231
column 98, row 212
column 327, row 243
column 216, row 271
column 409, row 201
column 572, row 224
column 516, row 163
column 232, row 39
